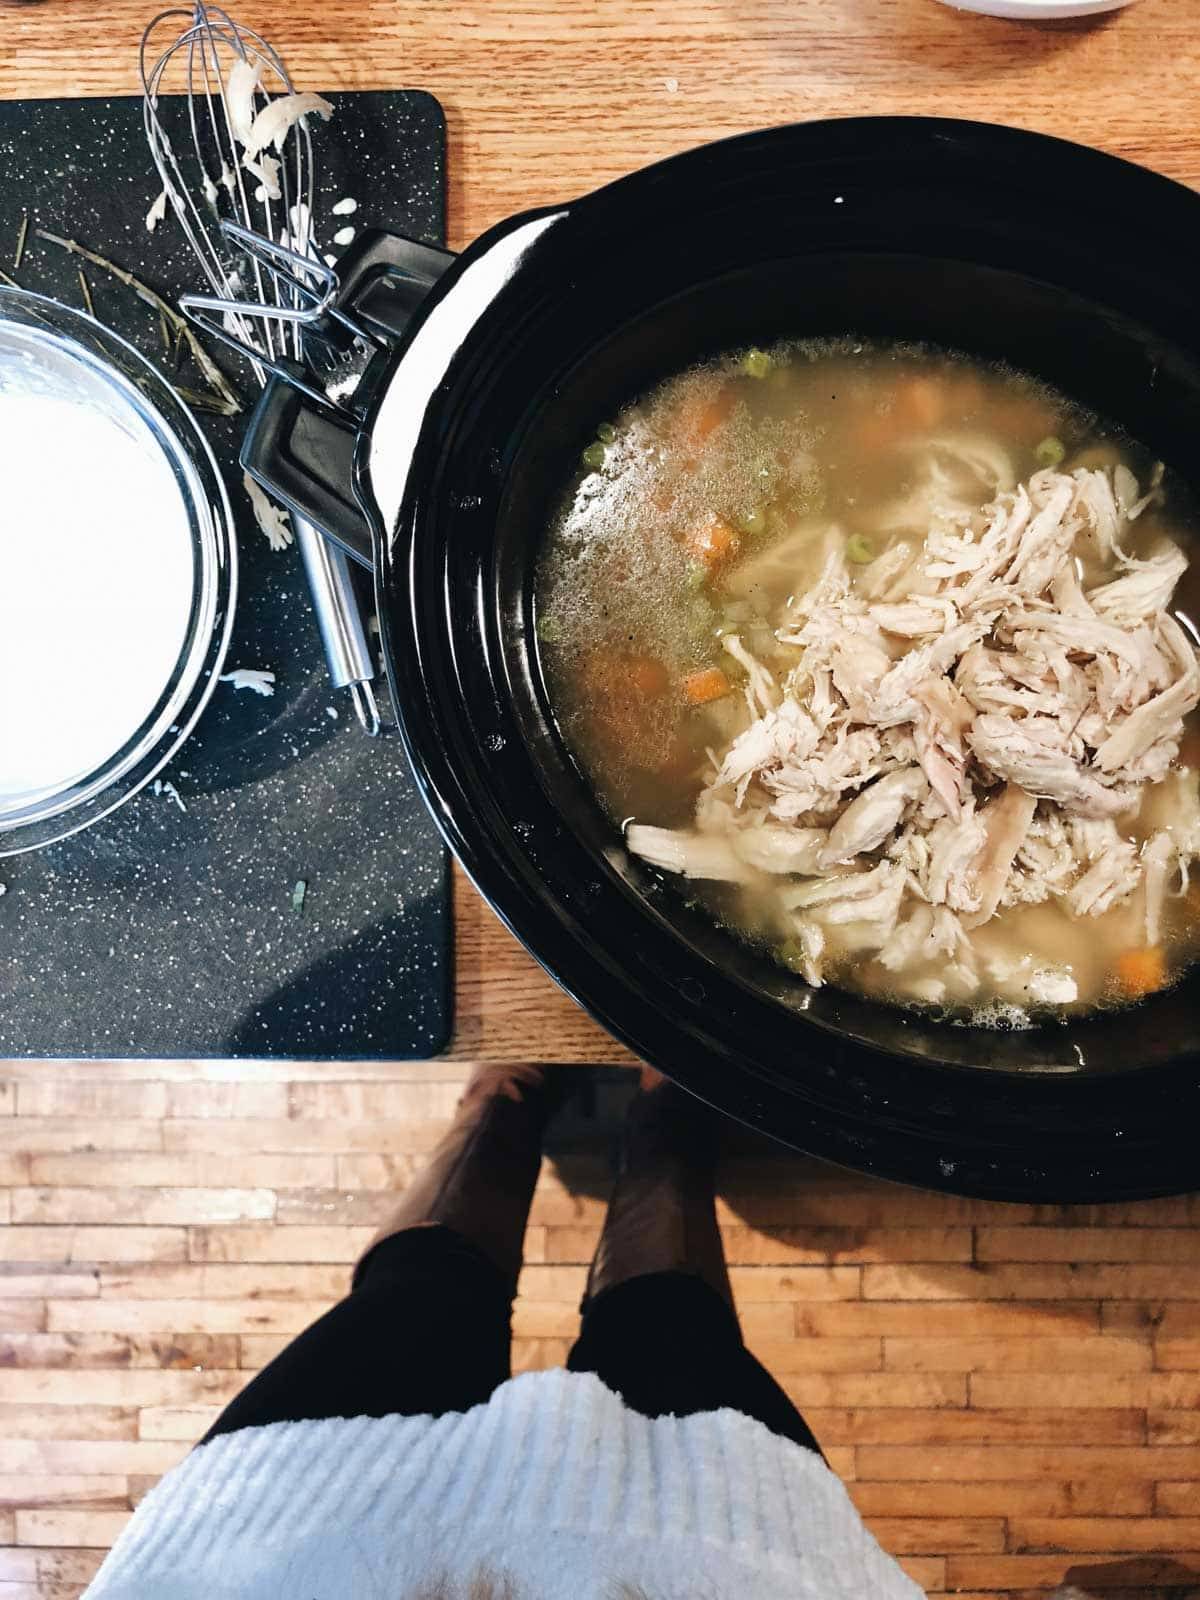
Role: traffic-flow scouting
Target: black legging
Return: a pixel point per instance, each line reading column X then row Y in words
column 426, row 1329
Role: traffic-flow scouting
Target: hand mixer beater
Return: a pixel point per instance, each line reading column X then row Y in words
column 245, row 157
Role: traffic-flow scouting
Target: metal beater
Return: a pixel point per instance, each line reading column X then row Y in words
column 209, row 189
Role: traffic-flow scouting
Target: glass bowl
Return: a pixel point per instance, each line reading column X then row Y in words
column 118, row 571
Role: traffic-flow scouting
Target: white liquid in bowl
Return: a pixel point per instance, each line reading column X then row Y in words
column 96, row 570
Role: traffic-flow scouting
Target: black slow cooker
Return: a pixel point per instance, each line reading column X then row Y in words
column 491, row 370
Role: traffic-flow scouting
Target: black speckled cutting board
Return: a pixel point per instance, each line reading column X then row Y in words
column 165, row 932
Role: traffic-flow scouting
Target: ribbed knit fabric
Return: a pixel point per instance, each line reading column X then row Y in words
column 553, row 1482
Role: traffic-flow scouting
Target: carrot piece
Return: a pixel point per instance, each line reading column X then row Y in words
column 713, row 543
column 700, row 415
column 712, row 415
column 617, row 691
column 921, row 401
column 709, row 683
column 1141, row 972
column 648, row 675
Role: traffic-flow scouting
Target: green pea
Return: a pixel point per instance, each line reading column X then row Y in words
column 697, row 576
column 751, row 523
column 859, row 550
column 548, row 630
column 756, row 363
column 1050, row 451
column 593, row 457
column 606, row 433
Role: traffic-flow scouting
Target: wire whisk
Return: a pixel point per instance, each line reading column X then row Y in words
column 235, row 157
column 199, row 62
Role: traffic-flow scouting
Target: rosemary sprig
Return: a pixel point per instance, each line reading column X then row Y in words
column 223, row 402
column 202, row 400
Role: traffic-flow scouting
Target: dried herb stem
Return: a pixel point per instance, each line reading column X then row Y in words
column 224, row 402
column 202, row 400
column 22, row 235
column 85, row 290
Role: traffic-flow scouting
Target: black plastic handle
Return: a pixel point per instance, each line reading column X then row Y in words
column 303, row 453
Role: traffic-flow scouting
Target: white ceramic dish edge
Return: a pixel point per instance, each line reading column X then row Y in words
column 1037, row 10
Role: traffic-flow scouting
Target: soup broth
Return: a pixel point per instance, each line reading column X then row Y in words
column 888, row 654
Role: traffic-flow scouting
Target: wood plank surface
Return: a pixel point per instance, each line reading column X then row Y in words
column 1013, row 1393
column 999, row 1442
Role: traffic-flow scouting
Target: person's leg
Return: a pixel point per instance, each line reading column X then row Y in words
column 659, row 1327
column 426, row 1327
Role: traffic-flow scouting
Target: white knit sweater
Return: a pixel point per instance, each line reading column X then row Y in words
column 553, row 1482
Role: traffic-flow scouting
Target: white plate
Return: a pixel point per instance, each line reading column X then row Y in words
column 1037, row 10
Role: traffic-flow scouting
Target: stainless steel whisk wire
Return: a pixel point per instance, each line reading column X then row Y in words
column 265, row 319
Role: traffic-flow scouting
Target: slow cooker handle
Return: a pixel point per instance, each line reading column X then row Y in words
column 301, row 449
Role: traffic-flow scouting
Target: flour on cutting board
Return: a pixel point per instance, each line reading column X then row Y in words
column 171, row 792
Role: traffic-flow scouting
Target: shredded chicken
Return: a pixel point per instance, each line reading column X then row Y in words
column 157, row 211
column 1006, row 822
column 272, row 123
column 241, row 86
column 256, row 679
column 272, row 519
column 257, row 129
column 960, row 727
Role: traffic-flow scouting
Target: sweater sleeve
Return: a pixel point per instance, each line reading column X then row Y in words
column 553, row 1483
